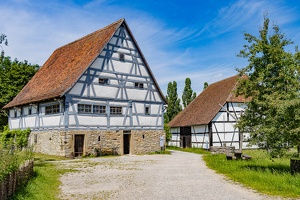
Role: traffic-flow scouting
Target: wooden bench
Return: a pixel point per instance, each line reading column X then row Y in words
column 246, row 157
column 229, row 156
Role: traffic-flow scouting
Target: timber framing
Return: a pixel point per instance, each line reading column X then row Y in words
column 212, row 117
column 100, row 82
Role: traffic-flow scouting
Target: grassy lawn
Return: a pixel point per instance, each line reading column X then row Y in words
column 271, row 177
column 45, row 183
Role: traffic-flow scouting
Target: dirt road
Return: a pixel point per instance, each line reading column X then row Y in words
column 177, row 176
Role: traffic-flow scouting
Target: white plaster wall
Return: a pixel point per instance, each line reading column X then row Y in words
column 147, row 120
column 175, row 130
column 50, row 120
column 222, row 127
column 116, row 120
column 199, row 129
column 14, row 123
column 221, row 116
column 90, row 120
column 29, row 121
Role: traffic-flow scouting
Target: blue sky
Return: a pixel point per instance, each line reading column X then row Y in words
column 193, row 38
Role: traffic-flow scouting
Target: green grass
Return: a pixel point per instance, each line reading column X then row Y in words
column 45, row 183
column 265, row 175
column 271, row 177
column 191, row 150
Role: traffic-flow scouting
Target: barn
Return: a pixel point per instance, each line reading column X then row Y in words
column 97, row 92
column 209, row 120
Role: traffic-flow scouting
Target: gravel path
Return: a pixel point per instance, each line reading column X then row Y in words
column 178, row 176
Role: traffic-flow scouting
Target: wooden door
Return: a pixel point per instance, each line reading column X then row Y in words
column 79, row 143
column 185, row 137
column 126, row 140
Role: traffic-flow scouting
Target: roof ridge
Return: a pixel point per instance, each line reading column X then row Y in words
column 90, row 34
column 223, row 80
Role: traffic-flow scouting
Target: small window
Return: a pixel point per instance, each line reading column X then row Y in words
column 53, row 109
column 121, row 57
column 147, row 110
column 138, row 85
column 103, row 81
column 84, row 108
column 114, row 110
column 99, row 109
column 29, row 111
column 15, row 113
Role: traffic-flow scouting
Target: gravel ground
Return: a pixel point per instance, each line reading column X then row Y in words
column 178, row 176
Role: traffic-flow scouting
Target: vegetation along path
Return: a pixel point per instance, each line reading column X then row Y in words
column 180, row 175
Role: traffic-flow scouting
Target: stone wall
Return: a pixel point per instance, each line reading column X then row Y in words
column 217, row 149
column 61, row 143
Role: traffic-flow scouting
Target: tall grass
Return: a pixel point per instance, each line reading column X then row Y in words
column 265, row 175
column 11, row 159
column 45, row 183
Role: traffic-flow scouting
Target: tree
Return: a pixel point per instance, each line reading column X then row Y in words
column 205, row 85
column 173, row 108
column 271, row 81
column 3, row 39
column 13, row 77
column 188, row 95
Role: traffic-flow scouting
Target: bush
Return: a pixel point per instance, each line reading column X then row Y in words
column 15, row 138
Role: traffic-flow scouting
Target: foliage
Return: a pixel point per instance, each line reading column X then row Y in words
column 45, row 184
column 174, row 106
column 271, row 177
column 188, row 95
column 205, row 85
column 12, row 159
column 14, row 75
column 3, row 39
column 16, row 137
column 271, row 80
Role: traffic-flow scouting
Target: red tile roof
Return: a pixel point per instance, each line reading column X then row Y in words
column 207, row 104
column 66, row 65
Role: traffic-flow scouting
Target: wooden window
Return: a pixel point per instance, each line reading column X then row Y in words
column 103, row 81
column 121, row 57
column 29, row 110
column 147, row 110
column 52, row 109
column 99, row 109
column 84, row 108
column 15, row 113
column 138, row 85
column 116, row 110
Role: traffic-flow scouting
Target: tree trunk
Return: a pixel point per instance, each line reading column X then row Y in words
column 295, row 165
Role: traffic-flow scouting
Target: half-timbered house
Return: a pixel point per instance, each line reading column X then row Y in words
column 209, row 120
column 95, row 92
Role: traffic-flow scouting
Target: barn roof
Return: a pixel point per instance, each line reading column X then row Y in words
column 207, row 104
column 67, row 64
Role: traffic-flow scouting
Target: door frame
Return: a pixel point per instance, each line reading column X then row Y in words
column 126, row 134
column 78, row 153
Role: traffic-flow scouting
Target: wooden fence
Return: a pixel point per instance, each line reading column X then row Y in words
column 14, row 180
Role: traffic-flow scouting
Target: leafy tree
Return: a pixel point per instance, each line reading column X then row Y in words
column 271, row 81
column 188, row 95
column 3, row 39
column 174, row 106
column 205, row 85
column 13, row 77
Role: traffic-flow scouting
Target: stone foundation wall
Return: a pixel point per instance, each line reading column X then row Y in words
column 216, row 149
column 62, row 143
